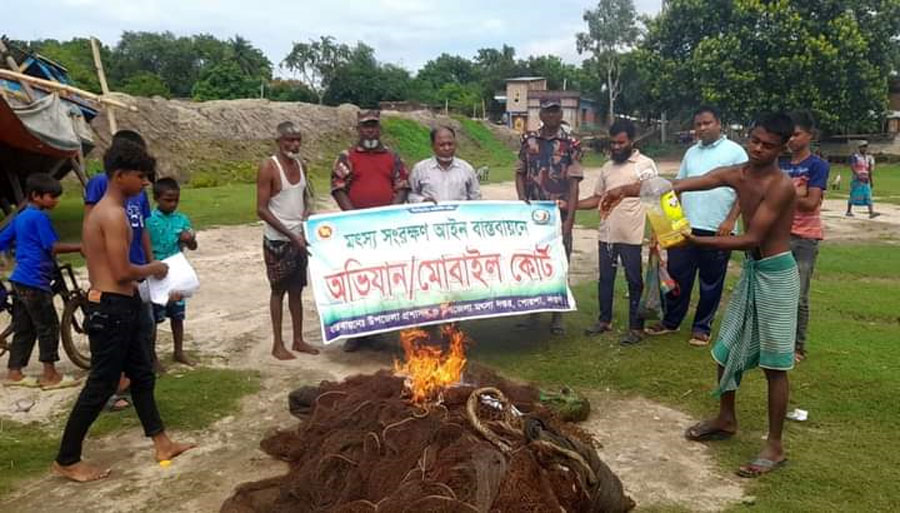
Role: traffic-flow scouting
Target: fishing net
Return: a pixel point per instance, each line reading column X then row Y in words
column 483, row 448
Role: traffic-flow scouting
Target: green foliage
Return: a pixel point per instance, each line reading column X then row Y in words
column 364, row 81
column 317, row 62
column 612, row 29
column 408, row 138
column 290, row 91
column 225, row 81
column 145, row 83
column 76, row 56
column 749, row 56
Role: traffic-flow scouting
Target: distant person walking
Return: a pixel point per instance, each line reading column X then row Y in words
column 443, row 177
column 549, row 168
column 283, row 201
column 712, row 212
column 810, row 176
column 862, row 166
column 368, row 175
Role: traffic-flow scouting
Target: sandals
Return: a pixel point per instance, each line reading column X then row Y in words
column 759, row 467
column 26, row 382
column 113, row 404
column 699, row 339
column 598, row 329
column 658, row 329
column 706, row 432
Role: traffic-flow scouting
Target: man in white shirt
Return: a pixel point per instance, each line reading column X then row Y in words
column 443, row 177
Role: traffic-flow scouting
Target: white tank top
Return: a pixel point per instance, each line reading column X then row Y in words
column 288, row 205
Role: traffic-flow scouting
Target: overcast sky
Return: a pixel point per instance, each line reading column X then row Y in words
column 404, row 32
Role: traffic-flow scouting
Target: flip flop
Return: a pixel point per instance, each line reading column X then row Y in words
column 759, row 467
column 26, row 382
column 113, row 400
column 699, row 340
column 65, row 382
column 704, row 432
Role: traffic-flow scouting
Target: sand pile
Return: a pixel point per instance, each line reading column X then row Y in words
column 486, row 448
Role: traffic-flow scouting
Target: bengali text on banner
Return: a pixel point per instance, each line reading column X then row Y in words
column 390, row 268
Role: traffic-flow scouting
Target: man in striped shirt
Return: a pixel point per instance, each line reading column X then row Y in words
column 443, row 177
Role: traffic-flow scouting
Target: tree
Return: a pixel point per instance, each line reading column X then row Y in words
column 77, row 58
column 363, row 81
column 146, row 83
column 316, row 62
column 447, row 69
column 612, row 29
column 225, row 81
column 748, row 56
column 290, row 91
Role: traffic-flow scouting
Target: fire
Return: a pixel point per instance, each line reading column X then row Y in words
column 428, row 368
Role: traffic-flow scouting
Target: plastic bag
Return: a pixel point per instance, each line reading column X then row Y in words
column 181, row 279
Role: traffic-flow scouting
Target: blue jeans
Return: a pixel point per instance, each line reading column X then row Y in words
column 685, row 265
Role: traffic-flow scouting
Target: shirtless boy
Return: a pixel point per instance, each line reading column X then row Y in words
column 759, row 326
column 112, row 317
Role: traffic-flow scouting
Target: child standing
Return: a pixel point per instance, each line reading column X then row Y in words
column 34, row 316
column 170, row 231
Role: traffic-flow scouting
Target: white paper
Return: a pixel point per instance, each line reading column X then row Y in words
column 181, row 278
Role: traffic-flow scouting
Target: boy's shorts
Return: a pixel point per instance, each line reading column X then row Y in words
column 175, row 310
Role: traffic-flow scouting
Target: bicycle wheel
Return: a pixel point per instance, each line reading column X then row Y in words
column 74, row 338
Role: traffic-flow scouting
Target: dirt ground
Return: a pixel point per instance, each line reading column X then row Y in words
column 228, row 326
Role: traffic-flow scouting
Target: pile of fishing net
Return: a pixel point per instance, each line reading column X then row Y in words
column 489, row 447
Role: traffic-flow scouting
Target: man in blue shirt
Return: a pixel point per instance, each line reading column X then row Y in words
column 710, row 213
column 34, row 316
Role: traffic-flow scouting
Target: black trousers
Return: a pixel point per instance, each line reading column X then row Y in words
column 630, row 256
column 34, row 318
column 687, row 263
column 115, row 328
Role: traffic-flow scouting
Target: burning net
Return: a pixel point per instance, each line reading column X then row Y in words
column 422, row 442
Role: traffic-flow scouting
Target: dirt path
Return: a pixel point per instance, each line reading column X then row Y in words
column 228, row 326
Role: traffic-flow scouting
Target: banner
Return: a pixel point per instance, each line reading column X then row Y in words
column 389, row 268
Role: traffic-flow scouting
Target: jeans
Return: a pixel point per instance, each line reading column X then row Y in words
column 805, row 252
column 113, row 328
column 630, row 255
column 33, row 318
column 685, row 264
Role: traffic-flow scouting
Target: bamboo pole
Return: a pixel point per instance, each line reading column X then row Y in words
column 11, row 63
column 56, row 86
column 101, row 75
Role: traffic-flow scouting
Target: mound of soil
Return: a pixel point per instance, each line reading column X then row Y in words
column 485, row 448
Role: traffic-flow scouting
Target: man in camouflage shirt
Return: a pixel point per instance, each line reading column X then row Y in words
column 549, row 168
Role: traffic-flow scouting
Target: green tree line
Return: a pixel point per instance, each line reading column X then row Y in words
column 834, row 57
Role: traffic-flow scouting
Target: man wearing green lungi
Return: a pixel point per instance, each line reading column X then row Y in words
column 760, row 322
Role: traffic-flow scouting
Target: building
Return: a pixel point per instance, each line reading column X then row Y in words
column 523, row 104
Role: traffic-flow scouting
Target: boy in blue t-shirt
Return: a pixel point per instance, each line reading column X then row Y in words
column 170, row 231
column 34, row 316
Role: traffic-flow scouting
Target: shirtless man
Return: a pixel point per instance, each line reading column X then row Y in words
column 283, row 202
column 113, row 313
column 759, row 326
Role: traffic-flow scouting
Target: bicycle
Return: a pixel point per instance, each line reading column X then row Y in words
column 71, row 326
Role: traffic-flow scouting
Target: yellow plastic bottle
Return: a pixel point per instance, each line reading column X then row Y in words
column 664, row 212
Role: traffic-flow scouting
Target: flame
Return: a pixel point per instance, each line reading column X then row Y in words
column 428, row 368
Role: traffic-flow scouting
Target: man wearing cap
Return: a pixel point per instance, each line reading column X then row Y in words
column 368, row 175
column 283, row 201
column 549, row 168
column 862, row 165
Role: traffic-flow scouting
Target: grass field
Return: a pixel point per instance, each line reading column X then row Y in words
column 886, row 183
column 189, row 401
column 841, row 459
